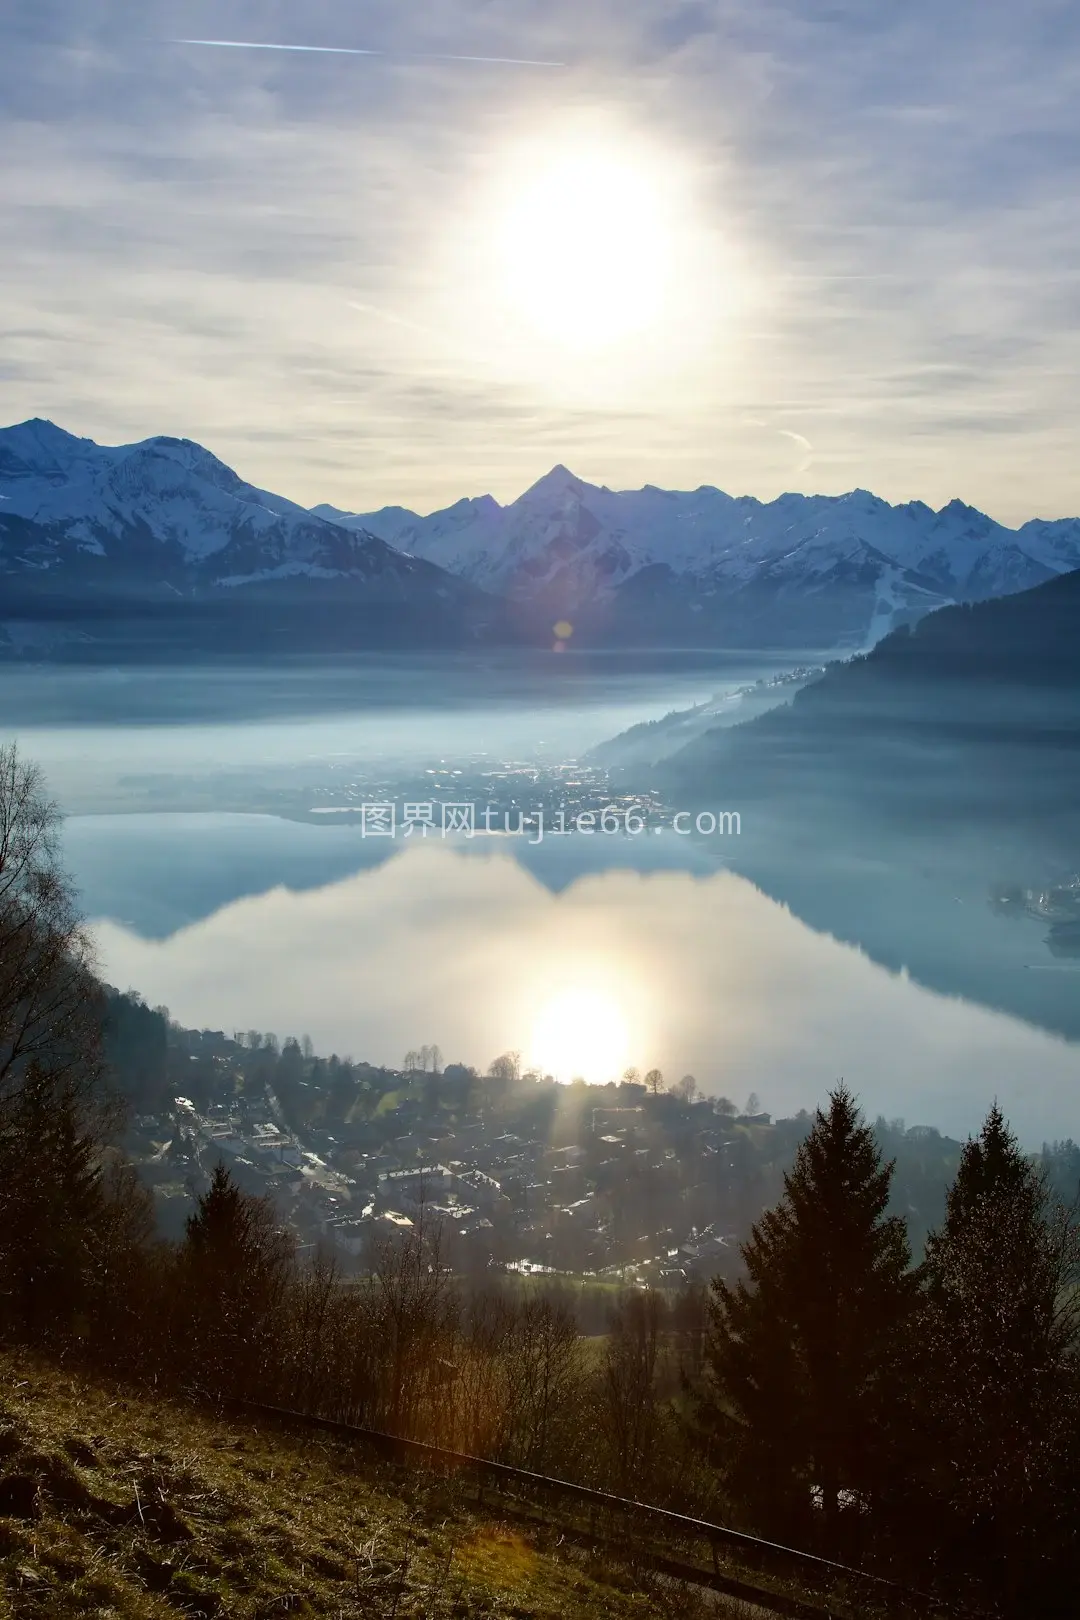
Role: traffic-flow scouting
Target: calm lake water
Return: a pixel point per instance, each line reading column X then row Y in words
column 239, row 919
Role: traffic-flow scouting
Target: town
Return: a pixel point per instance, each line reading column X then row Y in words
column 643, row 1181
column 629, row 1182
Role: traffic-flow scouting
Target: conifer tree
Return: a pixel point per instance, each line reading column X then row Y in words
column 805, row 1354
column 50, row 1200
column 1002, row 1348
column 234, row 1271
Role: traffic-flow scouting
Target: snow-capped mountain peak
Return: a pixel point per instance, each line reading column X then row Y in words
column 559, row 484
column 571, row 545
column 38, row 448
column 166, row 512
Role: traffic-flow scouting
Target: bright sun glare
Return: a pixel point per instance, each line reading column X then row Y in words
column 580, row 1032
column 586, row 245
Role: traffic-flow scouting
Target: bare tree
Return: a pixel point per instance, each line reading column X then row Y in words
column 50, row 1001
column 545, row 1368
column 305, row 1368
column 412, row 1297
column 483, row 1393
column 687, row 1088
column 631, row 1397
column 655, row 1081
column 506, row 1068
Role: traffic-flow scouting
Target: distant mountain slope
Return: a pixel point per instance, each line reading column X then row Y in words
column 971, row 716
column 1030, row 639
column 164, row 527
column 923, row 802
column 644, row 564
column 651, row 741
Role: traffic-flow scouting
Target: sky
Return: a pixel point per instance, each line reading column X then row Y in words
column 763, row 245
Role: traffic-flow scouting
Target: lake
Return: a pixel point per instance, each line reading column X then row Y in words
column 211, row 889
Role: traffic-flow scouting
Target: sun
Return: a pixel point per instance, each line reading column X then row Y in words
column 580, row 1032
column 585, row 244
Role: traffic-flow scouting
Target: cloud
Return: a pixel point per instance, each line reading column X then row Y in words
column 804, row 445
column 877, row 194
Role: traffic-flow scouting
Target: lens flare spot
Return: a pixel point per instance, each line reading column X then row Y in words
column 498, row 1557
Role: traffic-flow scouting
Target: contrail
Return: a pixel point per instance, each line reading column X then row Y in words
column 350, row 50
column 395, row 320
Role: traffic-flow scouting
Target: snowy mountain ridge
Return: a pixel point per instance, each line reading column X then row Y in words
column 159, row 546
column 164, row 520
column 167, row 498
column 574, row 540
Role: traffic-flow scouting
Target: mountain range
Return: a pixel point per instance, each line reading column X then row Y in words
column 164, row 540
column 816, row 568
column 160, row 541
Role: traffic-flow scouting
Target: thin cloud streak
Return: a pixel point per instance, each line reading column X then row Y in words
column 395, row 320
column 352, row 50
column 804, row 444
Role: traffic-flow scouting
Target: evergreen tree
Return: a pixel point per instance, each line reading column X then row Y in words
column 1002, row 1341
column 805, row 1355
column 234, row 1271
column 126, row 1269
column 50, row 1201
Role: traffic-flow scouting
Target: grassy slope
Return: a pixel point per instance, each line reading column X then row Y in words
column 117, row 1504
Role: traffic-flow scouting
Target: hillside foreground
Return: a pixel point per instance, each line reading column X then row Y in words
column 116, row 1503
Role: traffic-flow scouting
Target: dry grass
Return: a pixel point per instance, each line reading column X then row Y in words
column 118, row 1504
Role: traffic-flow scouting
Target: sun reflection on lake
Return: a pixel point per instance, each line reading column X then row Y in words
column 581, row 1032
column 698, row 975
